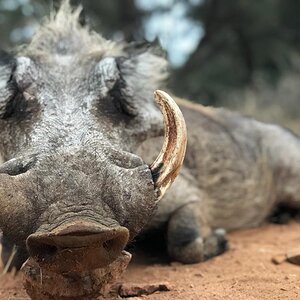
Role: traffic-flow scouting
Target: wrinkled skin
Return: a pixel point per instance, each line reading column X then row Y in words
column 71, row 116
column 65, row 133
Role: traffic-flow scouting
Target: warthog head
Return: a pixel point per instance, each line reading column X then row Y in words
column 73, row 109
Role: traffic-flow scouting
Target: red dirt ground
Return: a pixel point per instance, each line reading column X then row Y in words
column 244, row 272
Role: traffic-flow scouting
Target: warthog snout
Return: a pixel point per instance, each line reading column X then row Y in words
column 77, row 246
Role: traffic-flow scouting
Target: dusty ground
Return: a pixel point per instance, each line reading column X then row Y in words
column 244, row 272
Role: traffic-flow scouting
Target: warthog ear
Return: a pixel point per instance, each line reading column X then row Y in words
column 7, row 67
column 142, row 71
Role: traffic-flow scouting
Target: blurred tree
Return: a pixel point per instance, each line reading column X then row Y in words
column 114, row 18
column 18, row 19
column 118, row 19
column 243, row 40
column 235, row 41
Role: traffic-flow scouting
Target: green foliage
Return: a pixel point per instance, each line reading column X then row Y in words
column 18, row 20
column 243, row 39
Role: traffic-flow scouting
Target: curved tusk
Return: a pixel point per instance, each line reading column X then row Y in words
column 169, row 161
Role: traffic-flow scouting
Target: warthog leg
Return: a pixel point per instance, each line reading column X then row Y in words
column 189, row 239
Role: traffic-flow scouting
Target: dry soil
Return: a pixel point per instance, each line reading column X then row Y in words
column 246, row 271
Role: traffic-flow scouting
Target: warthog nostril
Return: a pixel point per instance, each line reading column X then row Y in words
column 42, row 251
column 48, row 251
column 114, row 245
column 108, row 245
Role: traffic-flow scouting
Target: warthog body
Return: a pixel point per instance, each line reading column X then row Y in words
column 74, row 108
column 236, row 171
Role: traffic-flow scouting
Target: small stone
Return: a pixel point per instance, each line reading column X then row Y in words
column 293, row 256
column 278, row 259
column 134, row 290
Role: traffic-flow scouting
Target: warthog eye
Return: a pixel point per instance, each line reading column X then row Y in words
column 8, row 94
column 14, row 100
column 16, row 106
column 108, row 80
column 18, row 102
column 121, row 94
column 123, row 103
column 7, row 88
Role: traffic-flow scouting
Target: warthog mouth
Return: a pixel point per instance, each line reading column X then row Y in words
column 77, row 246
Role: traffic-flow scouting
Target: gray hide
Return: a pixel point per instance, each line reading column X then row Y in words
column 73, row 109
column 236, row 171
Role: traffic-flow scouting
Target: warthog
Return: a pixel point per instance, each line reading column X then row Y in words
column 73, row 109
column 77, row 122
